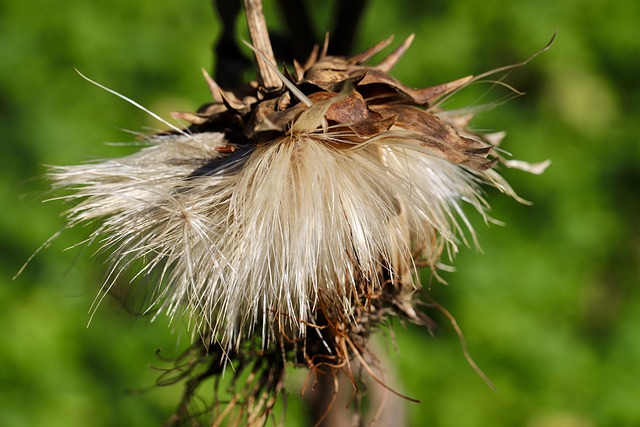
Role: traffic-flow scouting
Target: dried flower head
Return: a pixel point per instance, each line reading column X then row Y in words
column 296, row 211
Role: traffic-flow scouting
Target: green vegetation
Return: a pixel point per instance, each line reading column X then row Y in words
column 550, row 310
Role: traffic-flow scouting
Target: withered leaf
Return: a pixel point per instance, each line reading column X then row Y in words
column 353, row 112
column 329, row 73
column 258, row 115
column 371, row 128
column 386, row 84
column 392, row 59
column 452, row 154
column 369, row 53
column 234, row 104
column 438, row 136
column 287, row 74
column 212, row 109
column 494, row 138
column 378, row 84
column 426, row 95
column 352, row 109
column 281, row 119
column 422, row 122
column 534, row 168
column 330, row 80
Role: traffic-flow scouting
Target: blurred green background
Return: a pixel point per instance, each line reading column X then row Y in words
column 550, row 310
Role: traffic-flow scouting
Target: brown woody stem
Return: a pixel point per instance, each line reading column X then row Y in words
column 260, row 40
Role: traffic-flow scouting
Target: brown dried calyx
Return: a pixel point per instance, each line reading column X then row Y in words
column 360, row 102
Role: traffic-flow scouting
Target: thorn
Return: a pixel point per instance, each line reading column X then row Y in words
column 390, row 61
column 369, row 53
column 312, row 59
column 325, row 46
column 214, row 88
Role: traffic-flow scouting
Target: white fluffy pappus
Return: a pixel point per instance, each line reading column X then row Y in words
column 249, row 241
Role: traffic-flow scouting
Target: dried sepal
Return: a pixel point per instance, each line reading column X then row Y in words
column 371, row 52
column 437, row 135
column 392, row 59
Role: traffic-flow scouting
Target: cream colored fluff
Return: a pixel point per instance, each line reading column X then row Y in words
column 250, row 240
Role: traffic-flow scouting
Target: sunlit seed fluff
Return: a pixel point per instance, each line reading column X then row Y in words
column 247, row 237
column 293, row 218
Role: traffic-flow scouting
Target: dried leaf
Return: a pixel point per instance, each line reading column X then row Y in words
column 260, row 112
column 423, row 122
column 370, row 128
column 352, row 109
column 369, row 53
column 313, row 57
column 214, row 88
column 282, row 119
column 299, row 70
column 424, row 96
column 390, row 61
column 314, row 116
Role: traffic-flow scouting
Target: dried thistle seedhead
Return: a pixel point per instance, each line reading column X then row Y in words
column 291, row 220
column 273, row 198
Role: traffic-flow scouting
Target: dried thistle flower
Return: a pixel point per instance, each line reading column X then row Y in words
column 291, row 220
column 264, row 204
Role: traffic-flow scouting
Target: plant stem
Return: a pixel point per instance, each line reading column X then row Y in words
column 260, row 40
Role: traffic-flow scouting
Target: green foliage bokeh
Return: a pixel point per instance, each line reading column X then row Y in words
column 550, row 309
